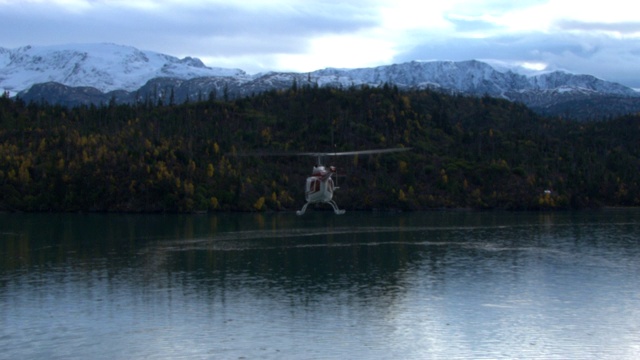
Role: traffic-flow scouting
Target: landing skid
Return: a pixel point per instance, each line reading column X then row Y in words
column 333, row 204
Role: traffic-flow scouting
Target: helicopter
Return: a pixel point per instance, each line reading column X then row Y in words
column 320, row 186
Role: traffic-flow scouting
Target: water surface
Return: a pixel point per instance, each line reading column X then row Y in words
column 428, row 285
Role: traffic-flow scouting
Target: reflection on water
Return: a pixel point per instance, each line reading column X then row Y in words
column 362, row 285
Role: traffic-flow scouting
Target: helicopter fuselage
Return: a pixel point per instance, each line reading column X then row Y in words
column 319, row 188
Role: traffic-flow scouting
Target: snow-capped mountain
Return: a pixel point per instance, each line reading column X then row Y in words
column 545, row 92
column 472, row 77
column 98, row 73
column 106, row 67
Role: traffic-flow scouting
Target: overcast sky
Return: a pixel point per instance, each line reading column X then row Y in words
column 600, row 38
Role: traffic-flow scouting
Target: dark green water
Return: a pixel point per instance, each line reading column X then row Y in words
column 432, row 285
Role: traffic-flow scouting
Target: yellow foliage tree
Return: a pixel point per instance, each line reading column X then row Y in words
column 259, row 203
column 214, row 203
column 402, row 196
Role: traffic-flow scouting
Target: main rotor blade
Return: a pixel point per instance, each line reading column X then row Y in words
column 340, row 153
column 357, row 152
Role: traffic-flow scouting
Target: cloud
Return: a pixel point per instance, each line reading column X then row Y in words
column 599, row 38
column 610, row 58
column 203, row 29
column 621, row 28
column 471, row 26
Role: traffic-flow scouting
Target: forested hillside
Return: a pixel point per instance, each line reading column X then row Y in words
column 466, row 152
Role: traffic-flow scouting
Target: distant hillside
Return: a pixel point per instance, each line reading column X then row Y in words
column 106, row 67
column 99, row 73
column 466, row 152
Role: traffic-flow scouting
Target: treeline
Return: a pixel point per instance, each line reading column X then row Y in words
column 466, row 152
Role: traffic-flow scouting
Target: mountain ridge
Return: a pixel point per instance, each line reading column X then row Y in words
column 64, row 73
column 104, row 66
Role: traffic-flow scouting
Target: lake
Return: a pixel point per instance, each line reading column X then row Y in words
column 364, row 285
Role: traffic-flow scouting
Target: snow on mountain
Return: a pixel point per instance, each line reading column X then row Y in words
column 471, row 77
column 97, row 73
column 106, row 67
column 109, row 67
